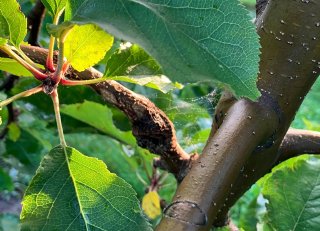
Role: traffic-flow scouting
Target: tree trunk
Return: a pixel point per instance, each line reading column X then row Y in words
column 246, row 145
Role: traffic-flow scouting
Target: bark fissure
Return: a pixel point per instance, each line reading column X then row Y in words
column 150, row 125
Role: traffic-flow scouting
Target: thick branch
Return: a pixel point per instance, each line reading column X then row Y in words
column 298, row 142
column 151, row 127
column 289, row 66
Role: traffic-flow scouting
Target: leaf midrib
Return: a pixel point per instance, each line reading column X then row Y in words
column 75, row 188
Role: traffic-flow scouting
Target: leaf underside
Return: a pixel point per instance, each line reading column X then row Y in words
column 191, row 40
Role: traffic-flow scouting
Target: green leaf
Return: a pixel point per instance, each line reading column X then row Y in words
column 54, row 6
column 100, row 117
column 13, row 67
column 191, row 40
column 131, row 61
column 13, row 23
column 134, row 65
column 292, row 191
column 3, row 41
column 86, row 45
column 5, row 181
column 71, row 191
column 245, row 212
column 118, row 162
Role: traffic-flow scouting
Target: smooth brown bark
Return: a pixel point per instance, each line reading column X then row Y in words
column 290, row 56
column 298, row 142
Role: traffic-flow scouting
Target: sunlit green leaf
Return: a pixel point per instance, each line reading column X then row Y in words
column 191, row 40
column 292, row 191
column 71, row 191
column 98, row 116
column 100, row 146
column 13, row 67
column 13, row 23
column 86, row 45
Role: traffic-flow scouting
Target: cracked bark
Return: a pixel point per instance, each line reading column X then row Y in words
column 151, row 127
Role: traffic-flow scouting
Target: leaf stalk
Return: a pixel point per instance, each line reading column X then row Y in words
column 21, row 95
column 55, row 99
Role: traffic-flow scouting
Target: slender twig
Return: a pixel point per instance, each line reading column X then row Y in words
column 21, row 95
column 37, row 74
column 55, row 100
column 68, row 82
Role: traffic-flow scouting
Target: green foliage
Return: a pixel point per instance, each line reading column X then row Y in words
column 100, row 117
column 293, row 192
column 308, row 114
column 112, row 154
column 245, row 212
column 5, row 181
column 54, row 6
column 192, row 41
column 86, row 45
column 13, row 67
column 131, row 61
column 134, row 65
column 13, row 23
column 62, row 195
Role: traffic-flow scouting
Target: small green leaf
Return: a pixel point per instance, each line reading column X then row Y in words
column 292, row 191
column 71, row 191
column 13, row 67
column 98, row 116
column 192, row 40
column 13, row 23
column 134, row 65
column 54, row 6
column 86, row 45
column 5, row 181
column 132, row 61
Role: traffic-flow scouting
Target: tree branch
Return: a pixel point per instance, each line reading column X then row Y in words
column 289, row 55
column 151, row 127
column 298, row 142
column 35, row 18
